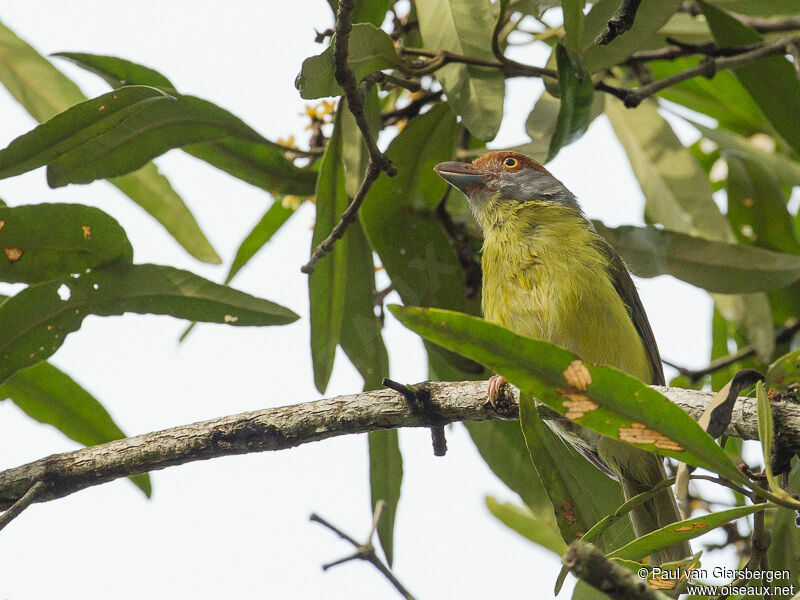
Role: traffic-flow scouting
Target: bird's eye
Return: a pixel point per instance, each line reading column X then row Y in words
column 510, row 163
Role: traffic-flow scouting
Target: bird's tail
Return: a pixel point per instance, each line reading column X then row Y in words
column 658, row 512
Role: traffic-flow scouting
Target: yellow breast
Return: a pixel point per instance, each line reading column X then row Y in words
column 546, row 278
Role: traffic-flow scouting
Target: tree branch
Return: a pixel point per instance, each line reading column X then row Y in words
column 588, row 563
column 621, row 21
column 707, row 68
column 290, row 426
column 378, row 161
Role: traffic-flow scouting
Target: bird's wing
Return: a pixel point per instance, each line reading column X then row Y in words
column 621, row 279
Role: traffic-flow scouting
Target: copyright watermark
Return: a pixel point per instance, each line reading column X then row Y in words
column 757, row 580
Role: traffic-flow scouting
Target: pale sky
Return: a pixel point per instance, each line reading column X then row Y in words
column 239, row 526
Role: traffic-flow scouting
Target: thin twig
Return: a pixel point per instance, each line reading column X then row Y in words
column 378, row 161
column 444, row 57
column 621, row 21
column 680, row 50
column 783, row 334
column 473, row 274
column 411, row 109
column 506, row 62
column 365, row 551
column 707, row 68
column 795, row 54
column 24, row 502
column 771, row 24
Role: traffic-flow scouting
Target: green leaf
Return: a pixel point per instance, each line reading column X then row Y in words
column 145, row 135
column 366, row 11
column 502, row 447
column 385, row 479
column 259, row 163
column 370, row 49
column 549, row 372
column 784, row 373
column 397, row 215
column 679, row 196
column 50, row 396
column 714, row 266
column 277, row 214
column 682, row 531
column 70, row 130
column 780, row 100
column 577, row 95
column 118, row 72
column 44, row 92
column 573, row 25
column 780, row 166
column 34, row 323
column 757, row 7
column 650, row 17
column 722, row 98
column 527, row 524
column 784, row 549
column 326, row 285
column 766, row 434
column 155, row 194
column 580, row 493
column 465, row 27
column 46, row 241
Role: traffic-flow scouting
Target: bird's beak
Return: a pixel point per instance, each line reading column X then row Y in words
column 461, row 175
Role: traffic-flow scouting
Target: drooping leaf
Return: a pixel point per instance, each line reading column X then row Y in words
column 465, row 27
column 44, row 92
column 579, row 492
column 599, row 397
column 678, row 195
column 118, row 72
column 649, row 19
column 70, row 130
column 502, row 447
column 326, row 285
column 573, row 26
column 47, row 241
column 780, row 100
column 370, row 49
column 385, row 479
column 50, row 396
column 682, row 531
column 577, row 94
column 714, row 266
column 34, row 323
column 527, row 524
column 784, row 549
column 766, row 434
column 275, row 217
column 260, row 163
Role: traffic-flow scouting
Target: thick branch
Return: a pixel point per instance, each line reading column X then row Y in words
column 289, row 426
column 588, row 563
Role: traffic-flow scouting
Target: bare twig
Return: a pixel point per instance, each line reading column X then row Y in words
column 621, row 21
column 444, row 57
column 365, row 551
column 783, row 334
column 378, row 161
column 707, row 68
column 411, row 109
column 589, row 564
column 289, row 426
column 24, row 502
column 507, row 63
column 771, row 24
column 680, row 49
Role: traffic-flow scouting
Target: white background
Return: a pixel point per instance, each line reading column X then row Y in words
column 239, row 526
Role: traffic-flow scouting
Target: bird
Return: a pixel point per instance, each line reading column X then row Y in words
column 548, row 275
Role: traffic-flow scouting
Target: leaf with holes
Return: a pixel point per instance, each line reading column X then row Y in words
column 48, row 241
column 34, row 323
column 599, row 397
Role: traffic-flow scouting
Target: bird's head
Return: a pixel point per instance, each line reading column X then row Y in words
column 497, row 182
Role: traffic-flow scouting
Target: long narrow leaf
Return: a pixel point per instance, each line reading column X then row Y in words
column 599, row 397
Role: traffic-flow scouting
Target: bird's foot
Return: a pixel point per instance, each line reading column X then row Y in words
column 496, row 383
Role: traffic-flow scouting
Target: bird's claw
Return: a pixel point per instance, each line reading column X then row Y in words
column 496, row 383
